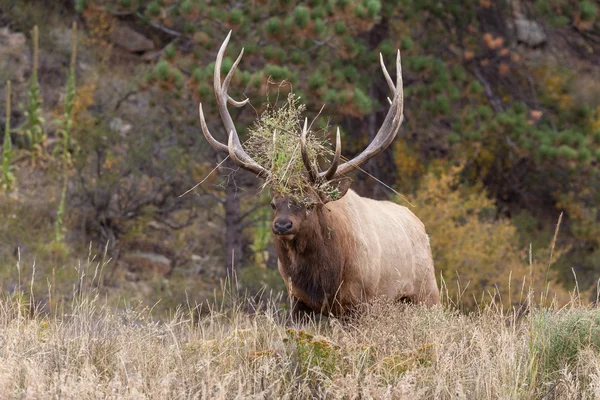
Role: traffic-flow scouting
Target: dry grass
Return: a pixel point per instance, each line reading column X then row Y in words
column 391, row 351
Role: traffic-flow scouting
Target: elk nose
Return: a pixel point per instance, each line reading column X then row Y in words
column 282, row 226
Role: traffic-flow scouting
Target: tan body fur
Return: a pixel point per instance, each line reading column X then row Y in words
column 357, row 249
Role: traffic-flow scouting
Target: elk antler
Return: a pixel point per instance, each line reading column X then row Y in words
column 385, row 135
column 234, row 146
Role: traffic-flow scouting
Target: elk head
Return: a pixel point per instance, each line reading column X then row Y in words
column 292, row 215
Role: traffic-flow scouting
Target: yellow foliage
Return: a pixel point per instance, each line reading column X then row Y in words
column 556, row 85
column 595, row 122
column 584, row 218
column 84, row 98
column 477, row 254
column 406, row 160
column 100, row 25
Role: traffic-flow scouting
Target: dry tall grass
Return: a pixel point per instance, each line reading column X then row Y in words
column 390, row 352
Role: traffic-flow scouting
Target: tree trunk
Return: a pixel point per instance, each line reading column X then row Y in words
column 233, row 227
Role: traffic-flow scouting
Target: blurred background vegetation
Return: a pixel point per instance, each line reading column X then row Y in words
column 501, row 136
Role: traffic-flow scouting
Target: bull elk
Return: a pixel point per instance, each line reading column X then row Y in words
column 334, row 254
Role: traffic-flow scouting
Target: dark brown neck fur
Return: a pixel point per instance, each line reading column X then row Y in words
column 314, row 260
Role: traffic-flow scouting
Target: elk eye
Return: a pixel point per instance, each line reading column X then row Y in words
column 272, row 205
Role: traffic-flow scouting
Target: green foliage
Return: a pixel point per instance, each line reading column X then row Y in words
column 588, row 10
column 33, row 129
column 558, row 338
column 153, row 9
column 66, row 143
column 278, row 73
column 301, row 16
column 407, row 43
column 80, row 5
column 567, row 152
column 319, row 26
column 170, row 52
column 313, row 353
column 340, row 28
column 373, row 7
column 66, row 123
column 362, row 101
column 316, row 81
column 236, row 16
column 273, row 25
column 7, row 175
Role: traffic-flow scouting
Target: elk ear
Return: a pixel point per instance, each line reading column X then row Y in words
column 340, row 188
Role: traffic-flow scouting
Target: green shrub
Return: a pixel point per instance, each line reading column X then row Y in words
column 153, row 9
column 557, row 338
column 301, row 16
column 7, row 176
column 273, row 25
column 316, row 81
column 339, row 28
column 362, row 101
column 319, row 26
column 373, row 7
column 588, row 10
column 236, row 16
column 407, row 43
column 170, row 51
column 567, row 152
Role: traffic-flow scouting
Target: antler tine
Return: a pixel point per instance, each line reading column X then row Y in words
column 400, row 84
column 387, row 77
column 389, row 128
column 211, row 140
column 336, row 157
column 236, row 103
column 312, row 174
column 386, row 74
column 229, row 75
column 234, row 147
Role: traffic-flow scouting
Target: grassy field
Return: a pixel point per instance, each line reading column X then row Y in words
column 237, row 348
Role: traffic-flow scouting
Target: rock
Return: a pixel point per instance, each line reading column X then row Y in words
column 14, row 54
column 529, row 32
column 151, row 262
column 199, row 263
column 117, row 125
column 130, row 40
column 147, row 257
column 152, row 55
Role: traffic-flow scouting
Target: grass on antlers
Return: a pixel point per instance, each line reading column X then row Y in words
column 274, row 142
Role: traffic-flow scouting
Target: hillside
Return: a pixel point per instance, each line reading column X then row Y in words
column 501, row 137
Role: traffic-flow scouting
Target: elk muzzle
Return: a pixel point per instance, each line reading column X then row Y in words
column 282, row 226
